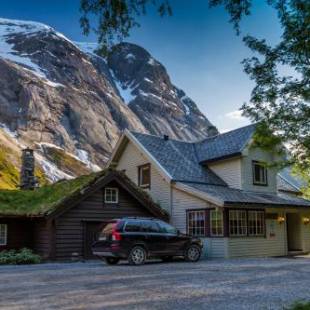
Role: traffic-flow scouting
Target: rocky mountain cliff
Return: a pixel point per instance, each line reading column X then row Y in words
column 71, row 105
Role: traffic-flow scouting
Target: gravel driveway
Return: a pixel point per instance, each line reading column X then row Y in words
column 217, row 284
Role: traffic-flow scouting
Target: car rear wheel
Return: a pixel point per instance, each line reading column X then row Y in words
column 137, row 256
column 192, row 253
column 111, row 260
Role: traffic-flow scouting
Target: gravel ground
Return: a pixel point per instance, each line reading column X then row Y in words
column 270, row 283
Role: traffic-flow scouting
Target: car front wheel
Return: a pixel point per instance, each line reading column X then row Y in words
column 192, row 253
column 137, row 256
column 111, row 260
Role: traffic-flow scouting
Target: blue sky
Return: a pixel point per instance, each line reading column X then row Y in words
column 197, row 45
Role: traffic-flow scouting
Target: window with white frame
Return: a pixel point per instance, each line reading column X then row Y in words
column 259, row 173
column 144, row 177
column 216, row 221
column 3, row 234
column 111, row 195
column 256, row 223
column 196, row 222
column 238, row 223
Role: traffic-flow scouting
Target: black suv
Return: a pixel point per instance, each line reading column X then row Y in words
column 137, row 239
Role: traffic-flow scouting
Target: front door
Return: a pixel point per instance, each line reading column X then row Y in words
column 293, row 221
column 91, row 233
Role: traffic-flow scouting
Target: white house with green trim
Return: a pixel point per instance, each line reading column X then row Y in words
column 221, row 190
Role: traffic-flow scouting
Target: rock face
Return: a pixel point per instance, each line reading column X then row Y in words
column 55, row 94
column 145, row 86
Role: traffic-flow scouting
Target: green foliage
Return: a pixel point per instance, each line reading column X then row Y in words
column 281, row 98
column 300, row 306
column 115, row 18
column 21, row 257
column 9, row 175
column 43, row 200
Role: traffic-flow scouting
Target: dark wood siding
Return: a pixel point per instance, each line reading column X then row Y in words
column 44, row 238
column 19, row 234
column 70, row 226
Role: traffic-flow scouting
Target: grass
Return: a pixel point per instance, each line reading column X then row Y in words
column 9, row 175
column 43, row 200
column 300, row 306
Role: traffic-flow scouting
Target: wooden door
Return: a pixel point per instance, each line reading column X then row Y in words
column 91, row 230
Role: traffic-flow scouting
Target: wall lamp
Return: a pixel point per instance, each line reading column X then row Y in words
column 281, row 219
column 306, row 220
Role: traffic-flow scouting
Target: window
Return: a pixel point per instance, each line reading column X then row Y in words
column 144, row 177
column 166, row 228
column 196, row 223
column 216, row 221
column 238, row 222
column 133, row 226
column 150, row 227
column 111, row 195
column 256, row 223
column 259, row 173
column 3, row 234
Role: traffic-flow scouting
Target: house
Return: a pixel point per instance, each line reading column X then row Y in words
column 219, row 189
column 288, row 184
column 61, row 220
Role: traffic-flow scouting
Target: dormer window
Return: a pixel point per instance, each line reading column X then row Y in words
column 259, row 173
column 144, row 176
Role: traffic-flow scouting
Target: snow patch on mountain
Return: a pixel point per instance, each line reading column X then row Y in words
column 9, row 29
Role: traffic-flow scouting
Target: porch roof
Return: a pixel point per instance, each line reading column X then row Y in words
column 231, row 196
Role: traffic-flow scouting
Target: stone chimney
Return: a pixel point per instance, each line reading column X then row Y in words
column 27, row 177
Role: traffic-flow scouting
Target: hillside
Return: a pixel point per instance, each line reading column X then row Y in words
column 71, row 105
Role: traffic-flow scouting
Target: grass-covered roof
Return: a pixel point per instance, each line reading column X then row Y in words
column 44, row 200
column 47, row 199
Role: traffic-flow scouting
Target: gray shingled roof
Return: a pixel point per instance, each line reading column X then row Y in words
column 224, row 145
column 178, row 158
column 231, row 196
column 289, row 181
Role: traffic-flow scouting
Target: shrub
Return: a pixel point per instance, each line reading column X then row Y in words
column 23, row 256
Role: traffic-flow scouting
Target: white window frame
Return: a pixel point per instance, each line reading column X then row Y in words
column 258, row 218
column 106, row 195
column 192, row 217
column 3, row 234
column 218, row 219
column 239, row 216
column 264, row 174
column 141, row 169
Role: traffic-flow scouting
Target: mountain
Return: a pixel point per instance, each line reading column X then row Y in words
column 70, row 104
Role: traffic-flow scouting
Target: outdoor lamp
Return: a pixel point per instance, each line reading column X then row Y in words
column 281, row 219
column 306, row 220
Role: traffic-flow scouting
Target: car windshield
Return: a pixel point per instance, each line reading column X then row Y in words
column 166, row 228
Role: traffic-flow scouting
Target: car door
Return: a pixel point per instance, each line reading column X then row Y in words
column 156, row 241
column 174, row 243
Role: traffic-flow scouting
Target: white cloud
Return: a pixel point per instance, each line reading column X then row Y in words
column 235, row 115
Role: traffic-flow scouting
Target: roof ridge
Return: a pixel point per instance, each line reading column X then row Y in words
column 225, row 133
column 160, row 137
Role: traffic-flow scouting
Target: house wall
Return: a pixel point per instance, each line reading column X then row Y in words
column 43, row 238
column 19, row 234
column 130, row 160
column 247, row 173
column 229, row 170
column 181, row 201
column 70, row 226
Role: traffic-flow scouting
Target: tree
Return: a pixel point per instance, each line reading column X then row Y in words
column 280, row 101
column 115, row 18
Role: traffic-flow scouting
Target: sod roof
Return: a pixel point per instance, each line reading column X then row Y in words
column 46, row 200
